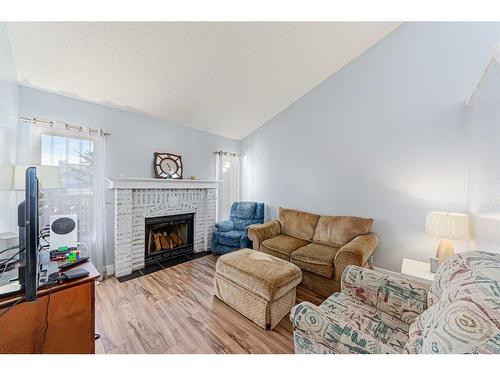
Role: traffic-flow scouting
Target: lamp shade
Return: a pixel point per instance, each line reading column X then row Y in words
column 48, row 176
column 449, row 225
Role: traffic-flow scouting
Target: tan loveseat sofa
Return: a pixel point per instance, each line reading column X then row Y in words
column 322, row 246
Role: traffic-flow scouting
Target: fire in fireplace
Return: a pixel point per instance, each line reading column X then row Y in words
column 168, row 237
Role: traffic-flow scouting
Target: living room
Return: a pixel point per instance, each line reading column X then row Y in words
column 201, row 187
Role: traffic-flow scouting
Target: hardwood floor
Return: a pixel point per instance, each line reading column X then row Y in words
column 174, row 311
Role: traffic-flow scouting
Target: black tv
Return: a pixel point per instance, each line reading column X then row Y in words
column 28, row 235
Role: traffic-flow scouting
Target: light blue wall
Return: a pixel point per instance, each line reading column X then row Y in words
column 134, row 138
column 383, row 138
column 8, row 121
column 483, row 137
column 483, row 114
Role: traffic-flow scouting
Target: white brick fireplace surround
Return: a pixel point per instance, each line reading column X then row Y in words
column 139, row 198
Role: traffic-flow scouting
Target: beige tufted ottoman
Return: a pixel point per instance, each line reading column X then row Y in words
column 257, row 285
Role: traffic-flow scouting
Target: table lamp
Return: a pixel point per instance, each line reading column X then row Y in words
column 449, row 226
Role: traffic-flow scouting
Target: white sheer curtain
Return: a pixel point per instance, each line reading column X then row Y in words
column 99, row 211
column 228, row 172
column 79, row 154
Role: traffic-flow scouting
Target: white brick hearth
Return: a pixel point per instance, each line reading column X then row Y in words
column 134, row 204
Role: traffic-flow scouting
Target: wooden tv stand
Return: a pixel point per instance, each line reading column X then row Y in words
column 71, row 318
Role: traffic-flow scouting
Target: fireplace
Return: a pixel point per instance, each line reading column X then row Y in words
column 168, row 237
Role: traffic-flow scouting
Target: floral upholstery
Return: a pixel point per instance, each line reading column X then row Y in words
column 398, row 297
column 315, row 331
column 231, row 234
column 376, row 313
column 345, row 323
column 455, row 270
column 464, row 312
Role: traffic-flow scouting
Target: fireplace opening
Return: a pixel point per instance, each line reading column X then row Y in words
column 168, row 237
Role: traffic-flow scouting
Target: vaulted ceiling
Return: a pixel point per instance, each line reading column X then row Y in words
column 224, row 78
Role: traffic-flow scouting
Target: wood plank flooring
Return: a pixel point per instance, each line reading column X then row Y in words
column 174, row 311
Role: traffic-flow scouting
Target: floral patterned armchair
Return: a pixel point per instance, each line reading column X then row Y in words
column 377, row 313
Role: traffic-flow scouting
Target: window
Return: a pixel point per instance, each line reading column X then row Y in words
column 78, row 152
column 74, row 157
column 228, row 171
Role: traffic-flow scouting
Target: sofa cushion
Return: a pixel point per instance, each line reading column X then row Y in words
column 315, row 258
column 231, row 238
column 261, row 274
column 297, row 223
column 282, row 246
column 340, row 230
column 368, row 319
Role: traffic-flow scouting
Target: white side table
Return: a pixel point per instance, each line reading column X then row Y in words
column 417, row 270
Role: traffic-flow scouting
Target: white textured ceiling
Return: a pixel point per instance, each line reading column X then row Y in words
column 224, row 78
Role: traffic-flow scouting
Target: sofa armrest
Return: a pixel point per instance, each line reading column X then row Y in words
column 355, row 253
column 261, row 232
column 399, row 298
column 224, row 226
column 334, row 332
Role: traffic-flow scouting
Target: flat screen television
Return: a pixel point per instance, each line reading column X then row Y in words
column 28, row 235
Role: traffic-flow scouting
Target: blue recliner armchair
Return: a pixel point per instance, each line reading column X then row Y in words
column 231, row 234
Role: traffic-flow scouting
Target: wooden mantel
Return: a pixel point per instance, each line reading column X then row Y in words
column 159, row 183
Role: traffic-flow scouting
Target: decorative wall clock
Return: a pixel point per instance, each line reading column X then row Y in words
column 168, row 165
